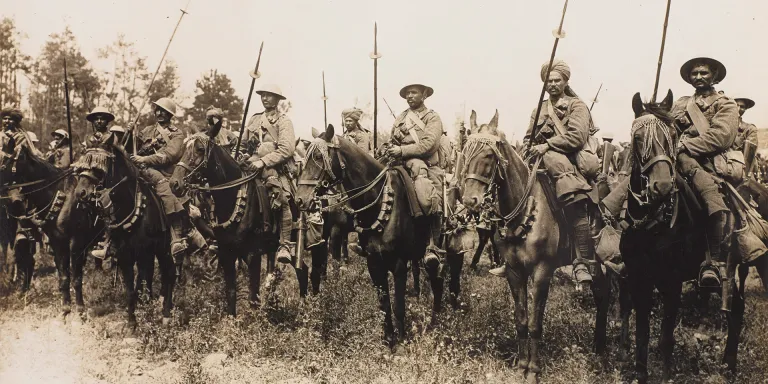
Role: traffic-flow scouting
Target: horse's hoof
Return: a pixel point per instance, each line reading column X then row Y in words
column 166, row 321
column 532, row 378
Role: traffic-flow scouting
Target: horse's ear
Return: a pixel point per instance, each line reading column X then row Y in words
column 329, row 132
column 637, row 105
column 214, row 131
column 666, row 104
column 494, row 124
column 315, row 133
column 473, row 122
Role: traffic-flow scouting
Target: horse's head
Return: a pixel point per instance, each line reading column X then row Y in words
column 481, row 158
column 20, row 166
column 197, row 151
column 652, row 146
column 322, row 168
column 91, row 173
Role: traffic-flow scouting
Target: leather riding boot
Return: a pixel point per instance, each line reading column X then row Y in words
column 713, row 273
column 579, row 218
column 286, row 251
column 434, row 254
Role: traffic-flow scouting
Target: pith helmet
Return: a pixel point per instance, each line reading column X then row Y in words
column 100, row 111
column 61, row 132
column 428, row 91
column 273, row 89
column 685, row 70
column 166, row 104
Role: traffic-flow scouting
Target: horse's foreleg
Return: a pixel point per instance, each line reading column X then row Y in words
column 146, row 261
column 601, row 290
column 483, row 236
column 642, row 293
column 319, row 266
column 302, row 274
column 401, row 279
column 625, row 311
column 334, row 243
column 518, row 284
column 735, row 322
column 254, row 279
column 62, row 260
column 541, row 280
column 762, row 271
column 126, row 266
column 671, row 297
column 416, row 274
column 436, row 281
column 167, row 280
column 455, row 264
column 228, row 258
column 378, row 275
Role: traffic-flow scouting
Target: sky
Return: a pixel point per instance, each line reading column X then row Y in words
column 481, row 55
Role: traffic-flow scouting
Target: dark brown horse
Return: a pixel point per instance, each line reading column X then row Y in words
column 390, row 235
column 244, row 222
column 531, row 238
column 47, row 200
column 108, row 183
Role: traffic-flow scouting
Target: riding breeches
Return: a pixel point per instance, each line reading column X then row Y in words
column 568, row 181
column 428, row 183
column 171, row 203
column 703, row 183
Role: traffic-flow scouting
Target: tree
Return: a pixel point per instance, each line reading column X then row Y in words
column 216, row 90
column 47, row 99
column 124, row 84
column 12, row 61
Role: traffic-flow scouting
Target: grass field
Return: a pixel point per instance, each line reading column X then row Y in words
column 335, row 337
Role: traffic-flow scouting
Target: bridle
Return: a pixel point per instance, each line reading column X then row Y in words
column 193, row 172
column 643, row 159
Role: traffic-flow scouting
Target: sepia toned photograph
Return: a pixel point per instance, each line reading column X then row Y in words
column 359, row 191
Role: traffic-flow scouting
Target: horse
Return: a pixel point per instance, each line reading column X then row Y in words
column 244, row 225
column 530, row 236
column 108, row 183
column 48, row 192
column 389, row 233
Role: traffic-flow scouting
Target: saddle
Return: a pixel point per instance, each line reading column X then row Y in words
column 260, row 214
column 554, row 206
column 410, row 190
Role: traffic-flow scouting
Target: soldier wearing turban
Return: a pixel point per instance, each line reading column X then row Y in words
column 354, row 132
column 560, row 136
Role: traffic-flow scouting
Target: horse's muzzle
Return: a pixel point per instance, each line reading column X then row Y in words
column 661, row 188
column 472, row 203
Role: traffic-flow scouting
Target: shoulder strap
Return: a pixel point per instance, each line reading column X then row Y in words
column 269, row 127
column 697, row 117
column 164, row 133
column 553, row 115
column 416, row 122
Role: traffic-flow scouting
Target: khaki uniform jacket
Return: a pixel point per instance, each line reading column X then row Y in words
column 575, row 117
column 723, row 116
column 273, row 151
column 746, row 132
column 162, row 147
column 360, row 137
column 426, row 147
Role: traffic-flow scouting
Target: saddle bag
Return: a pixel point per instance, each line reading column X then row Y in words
column 730, row 166
column 607, row 244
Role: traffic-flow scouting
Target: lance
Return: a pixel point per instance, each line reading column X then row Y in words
column 390, row 109
column 375, row 56
column 66, row 98
column 559, row 34
column 595, row 99
column 325, row 104
column 254, row 75
column 661, row 52
column 151, row 82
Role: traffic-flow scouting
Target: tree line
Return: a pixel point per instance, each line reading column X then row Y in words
column 120, row 88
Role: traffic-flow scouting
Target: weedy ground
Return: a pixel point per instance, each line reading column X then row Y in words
column 335, row 337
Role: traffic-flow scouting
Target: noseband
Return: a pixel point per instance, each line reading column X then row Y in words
column 328, row 179
column 190, row 142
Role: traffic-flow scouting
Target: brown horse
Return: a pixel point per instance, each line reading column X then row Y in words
column 109, row 185
column 47, row 192
column 390, row 235
column 531, row 238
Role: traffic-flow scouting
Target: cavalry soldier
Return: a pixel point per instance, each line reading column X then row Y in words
column 158, row 148
column 560, row 136
column 355, row 132
column 59, row 153
column 415, row 140
column 225, row 138
column 708, row 121
column 271, row 143
column 746, row 136
column 100, row 118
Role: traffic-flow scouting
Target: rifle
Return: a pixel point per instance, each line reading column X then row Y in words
column 390, row 109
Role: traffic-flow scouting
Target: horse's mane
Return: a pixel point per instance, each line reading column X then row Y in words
column 515, row 172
